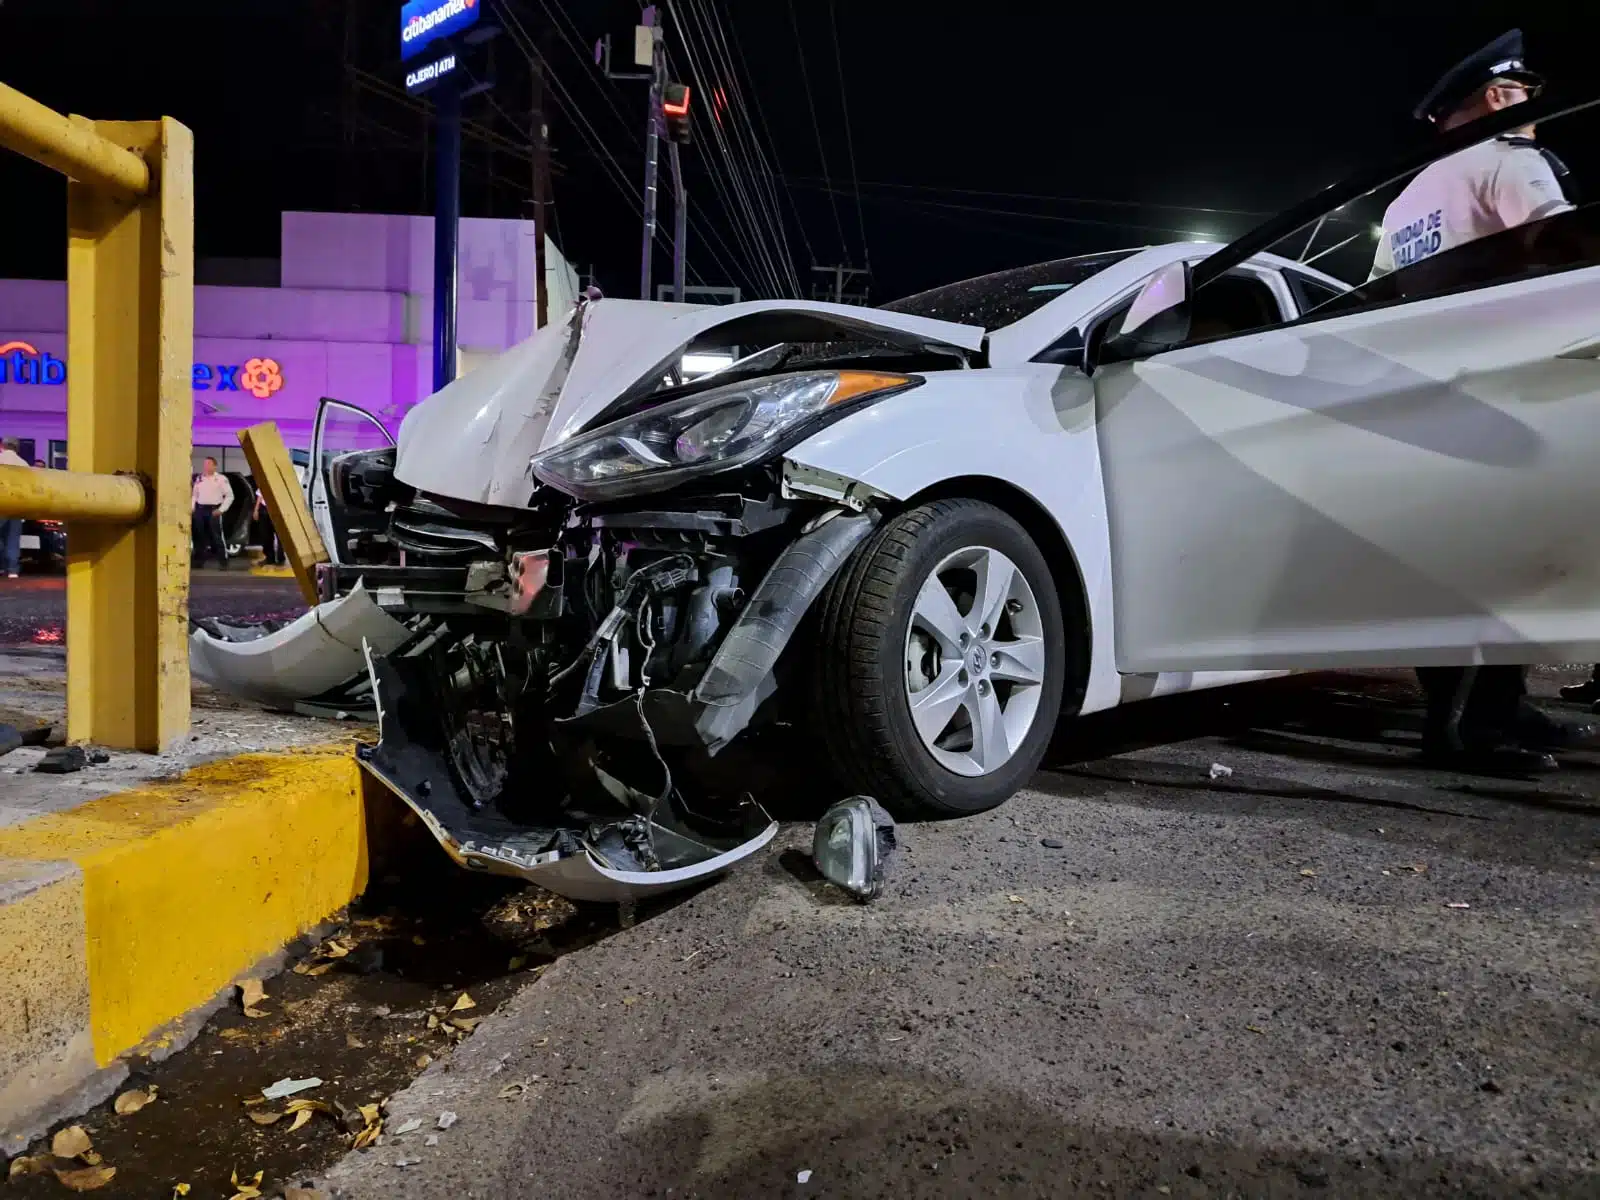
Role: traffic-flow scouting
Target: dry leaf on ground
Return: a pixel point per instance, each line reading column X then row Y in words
column 132, row 1101
column 179, row 1190
column 423, row 1060
column 1308, row 872
column 301, row 1119
column 465, row 1024
column 25, row 1165
column 70, row 1142
column 251, row 994
column 246, row 1191
column 266, row 1118
column 463, row 1002
column 85, row 1179
column 352, row 1042
column 512, row 1090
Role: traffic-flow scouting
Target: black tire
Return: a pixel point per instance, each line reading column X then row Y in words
column 858, row 672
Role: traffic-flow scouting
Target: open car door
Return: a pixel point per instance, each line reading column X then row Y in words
column 1404, row 476
column 340, row 428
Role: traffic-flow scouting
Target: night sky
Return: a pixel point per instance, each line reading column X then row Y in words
column 984, row 135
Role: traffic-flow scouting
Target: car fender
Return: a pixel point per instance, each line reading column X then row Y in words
column 1030, row 426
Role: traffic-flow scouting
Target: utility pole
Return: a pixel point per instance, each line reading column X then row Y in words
column 650, row 20
column 680, row 228
column 541, row 199
column 834, row 291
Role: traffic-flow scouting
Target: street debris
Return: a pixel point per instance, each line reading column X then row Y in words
column 431, row 1140
column 71, row 1142
column 370, row 1121
column 447, row 1119
column 463, row 1002
column 132, row 1101
column 246, row 1191
column 423, row 1060
column 10, row 739
column 406, row 1162
column 1218, row 771
column 288, row 1087
column 179, row 1190
column 803, row 1177
column 1458, row 904
column 852, row 845
column 1052, row 843
column 411, row 1126
column 251, row 994
column 353, row 1042
column 1256, row 1029
column 512, row 1090
column 63, row 760
column 84, row 1179
column 1308, row 872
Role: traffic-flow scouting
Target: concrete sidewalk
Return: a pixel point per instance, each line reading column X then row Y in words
column 133, row 892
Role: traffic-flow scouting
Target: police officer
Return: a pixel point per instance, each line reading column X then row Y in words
column 1489, row 187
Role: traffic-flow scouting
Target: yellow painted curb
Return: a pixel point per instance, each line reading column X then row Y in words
column 184, row 884
column 270, row 572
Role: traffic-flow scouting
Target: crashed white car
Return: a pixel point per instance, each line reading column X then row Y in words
column 928, row 533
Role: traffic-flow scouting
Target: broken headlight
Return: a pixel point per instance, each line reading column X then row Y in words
column 727, row 427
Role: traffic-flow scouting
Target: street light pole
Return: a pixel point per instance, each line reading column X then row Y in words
column 446, row 230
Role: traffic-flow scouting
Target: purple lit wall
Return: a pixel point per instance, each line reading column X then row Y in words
column 351, row 320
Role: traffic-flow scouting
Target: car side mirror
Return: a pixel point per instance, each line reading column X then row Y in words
column 1157, row 320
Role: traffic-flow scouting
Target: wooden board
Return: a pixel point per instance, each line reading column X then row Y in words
column 286, row 502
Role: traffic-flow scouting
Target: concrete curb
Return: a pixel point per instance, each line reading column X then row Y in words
column 123, row 914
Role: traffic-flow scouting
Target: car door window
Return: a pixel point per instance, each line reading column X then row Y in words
column 1567, row 241
column 1238, row 302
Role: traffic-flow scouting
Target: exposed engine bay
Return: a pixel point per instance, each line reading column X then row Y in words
column 571, row 661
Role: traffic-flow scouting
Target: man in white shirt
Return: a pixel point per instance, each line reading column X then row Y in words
column 211, row 498
column 11, row 527
column 1487, row 188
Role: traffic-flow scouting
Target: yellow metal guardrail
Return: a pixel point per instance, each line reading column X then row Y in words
column 130, row 342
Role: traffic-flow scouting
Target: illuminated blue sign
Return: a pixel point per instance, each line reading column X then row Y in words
column 425, row 21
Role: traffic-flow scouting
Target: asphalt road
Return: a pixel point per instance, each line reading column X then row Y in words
column 33, row 609
column 1330, row 972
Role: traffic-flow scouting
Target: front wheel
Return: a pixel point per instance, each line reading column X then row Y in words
column 941, row 660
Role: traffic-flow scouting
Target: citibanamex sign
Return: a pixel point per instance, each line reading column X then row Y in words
column 22, row 363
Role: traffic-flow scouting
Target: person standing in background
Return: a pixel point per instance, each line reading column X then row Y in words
column 11, row 527
column 211, row 498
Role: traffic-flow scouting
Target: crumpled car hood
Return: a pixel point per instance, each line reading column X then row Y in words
column 472, row 441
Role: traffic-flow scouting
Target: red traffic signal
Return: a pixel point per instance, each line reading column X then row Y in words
column 675, row 108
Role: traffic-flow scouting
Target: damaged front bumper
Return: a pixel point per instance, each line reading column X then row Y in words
column 618, row 845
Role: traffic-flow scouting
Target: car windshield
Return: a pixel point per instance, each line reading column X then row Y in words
column 1005, row 297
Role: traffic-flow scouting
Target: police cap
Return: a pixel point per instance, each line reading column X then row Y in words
column 1500, row 59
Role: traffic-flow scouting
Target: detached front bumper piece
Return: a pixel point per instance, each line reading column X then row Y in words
column 607, row 856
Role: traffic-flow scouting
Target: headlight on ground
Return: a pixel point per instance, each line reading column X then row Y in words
column 719, row 430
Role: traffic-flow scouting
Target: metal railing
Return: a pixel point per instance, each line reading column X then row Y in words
column 130, row 339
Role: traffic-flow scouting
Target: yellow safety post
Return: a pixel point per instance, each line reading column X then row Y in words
column 273, row 471
column 130, row 349
column 130, row 355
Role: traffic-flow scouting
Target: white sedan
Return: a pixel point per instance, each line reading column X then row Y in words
column 930, row 532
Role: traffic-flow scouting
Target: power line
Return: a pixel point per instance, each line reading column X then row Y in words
column 849, row 137
column 761, row 115
column 816, row 126
column 776, row 264
column 573, row 41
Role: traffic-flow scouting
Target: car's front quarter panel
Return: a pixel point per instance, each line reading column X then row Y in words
column 1028, row 426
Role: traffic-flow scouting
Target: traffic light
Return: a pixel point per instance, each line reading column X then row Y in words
column 675, row 107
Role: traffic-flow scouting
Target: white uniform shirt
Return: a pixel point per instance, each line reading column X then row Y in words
column 214, row 490
column 10, row 458
column 1484, row 189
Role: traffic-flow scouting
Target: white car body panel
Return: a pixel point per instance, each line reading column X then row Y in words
column 1409, row 485
column 1040, row 439
column 473, row 440
column 306, row 658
